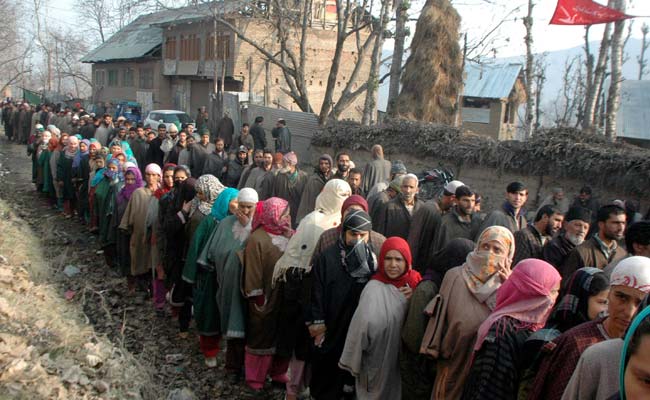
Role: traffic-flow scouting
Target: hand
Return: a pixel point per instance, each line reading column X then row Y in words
column 242, row 218
column 316, row 329
column 504, row 274
column 319, row 339
column 186, row 206
column 407, row 291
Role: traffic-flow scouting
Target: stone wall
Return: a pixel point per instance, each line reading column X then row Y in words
column 491, row 183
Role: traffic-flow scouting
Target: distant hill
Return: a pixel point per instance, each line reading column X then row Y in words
column 555, row 69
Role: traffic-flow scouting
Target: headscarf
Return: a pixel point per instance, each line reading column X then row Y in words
column 127, row 191
column 72, row 147
column 163, row 189
column 643, row 313
column 290, row 158
column 52, row 144
column 239, row 231
column 211, row 187
column 481, row 268
column 331, row 199
column 113, row 174
column 573, row 307
column 525, row 296
column 452, row 255
column 410, row 276
column 77, row 158
column 633, row 272
column 271, row 216
column 154, row 168
column 45, row 138
column 248, row 195
column 355, row 199
column 357, row 259
column 220, row 208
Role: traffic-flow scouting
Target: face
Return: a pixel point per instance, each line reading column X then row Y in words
column 200, row 195
column 324, row 166
column 466, row 204
column 447, row 201
column 180, row 176
column 241, row 155
column 623, row 303
column 352, row 237
column 133, row 134
column 259, row 159
column 173, row 134
column 73, row 144
column 122, row 133
column 205, row 139
column 83, row 148
column 100, row 163
column 584, row 196
column 517, row 199
column 597, row 304
column 152, row 179
column 394, row 264
column 409, row 188
column 246, row 208
column 244, row 130
column 151, row 136
column 555, row 292
column 576, row 231
column 107, row 120
column 233, row 206
column 268, row 159
column 116, row 149
column 494, row 247
column 219, row 145
column 182, row 137
column 637, row 373
column 129, row 178
column 113, row 167
column 343, row 162
column 558, row 196
column 354, row 180
column 121, row 158
column 614, row 227
column 554, row 224
column 92, row 150
column 162, row 132
column 168, row 178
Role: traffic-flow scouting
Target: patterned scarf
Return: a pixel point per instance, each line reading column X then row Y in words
column 211, row 187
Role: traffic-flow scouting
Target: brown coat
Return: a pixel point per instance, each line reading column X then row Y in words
column 134, row 220
column 589, row 254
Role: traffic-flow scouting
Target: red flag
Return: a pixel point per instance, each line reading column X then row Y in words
column 584, row 12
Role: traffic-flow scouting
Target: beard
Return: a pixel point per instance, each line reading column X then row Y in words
column 343, row 168
column 575, row 239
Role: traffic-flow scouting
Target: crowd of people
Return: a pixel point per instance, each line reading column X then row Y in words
column 342, row 282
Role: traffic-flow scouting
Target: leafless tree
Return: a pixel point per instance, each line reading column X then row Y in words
column 401, row 19
column 529, row 73
column 616, row 77
column 644, row 46
column 14, row 49
column 568, row 103
column 539, row 79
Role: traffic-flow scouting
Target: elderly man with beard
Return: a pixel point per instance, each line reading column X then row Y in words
column 575, row 228
column 529, row 242
column 398, row 213
column 602, row 248
column 460, row 222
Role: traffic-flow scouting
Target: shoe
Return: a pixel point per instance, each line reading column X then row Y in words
column 211, row 362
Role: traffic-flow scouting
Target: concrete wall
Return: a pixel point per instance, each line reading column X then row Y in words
column 490, row 183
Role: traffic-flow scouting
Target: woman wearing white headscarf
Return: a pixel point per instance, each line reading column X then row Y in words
column 293, row 266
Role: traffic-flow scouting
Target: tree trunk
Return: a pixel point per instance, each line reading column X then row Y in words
column 614, row 94
column 530, row 100
column 401, row 17
column 644, row 46
column 370, row 104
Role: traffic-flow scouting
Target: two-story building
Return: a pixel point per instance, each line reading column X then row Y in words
column 167, row 60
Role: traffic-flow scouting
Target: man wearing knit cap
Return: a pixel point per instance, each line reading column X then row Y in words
column 398, row 214
column 511, row 214
column 448, row 198
column 574, row 230
column 314, row 185
column 289, row 184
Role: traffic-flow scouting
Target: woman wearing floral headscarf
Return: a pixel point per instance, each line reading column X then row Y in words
column 466, row 298
column 524, row 302
column 271, row 232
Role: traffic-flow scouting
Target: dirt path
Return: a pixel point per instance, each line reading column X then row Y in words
column 128, row 323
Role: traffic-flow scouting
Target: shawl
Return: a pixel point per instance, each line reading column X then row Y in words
column 633, row 272
column 452, row 255
column 357, row 259
column 410, row 277
column 163, row 189
column 99, row 175
column 153, row 169
column 125, row 194
column 220, row 208
column 302, row 244
column 525, row 296
column 573, row 307
column 629, row 336
column 481, row 268
column 211, row 187
column 72, row 147
column 273, row 216
column 354, row 200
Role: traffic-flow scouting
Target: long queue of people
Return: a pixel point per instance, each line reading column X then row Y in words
column 332, row 295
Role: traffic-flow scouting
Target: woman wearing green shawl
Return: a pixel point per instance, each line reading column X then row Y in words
column 203, row 278
column 222, row 256
column 635, row 359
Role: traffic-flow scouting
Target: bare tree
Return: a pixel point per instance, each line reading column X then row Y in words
column 614, row 94
column 529, row 73
column 644, row 46
column 539, row 78
column 568, row 103
column 14, row 49
column 401, row 19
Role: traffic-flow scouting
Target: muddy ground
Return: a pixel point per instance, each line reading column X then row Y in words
column 170, row 367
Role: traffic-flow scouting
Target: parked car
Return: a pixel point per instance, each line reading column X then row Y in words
column 167, row 117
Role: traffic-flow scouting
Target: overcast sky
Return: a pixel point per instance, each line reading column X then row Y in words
column 478, row 17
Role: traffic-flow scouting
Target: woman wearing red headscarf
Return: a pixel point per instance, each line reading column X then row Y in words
column 373, row 341
column 271, row 230
column 524, row 302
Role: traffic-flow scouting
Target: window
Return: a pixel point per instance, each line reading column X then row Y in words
column 146, row 78
column 190, row 47
column 112, row 77
column 170, row 48
column 100, row 77
column 223, row 47
column 127, row 77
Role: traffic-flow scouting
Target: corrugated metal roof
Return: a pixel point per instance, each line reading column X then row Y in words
column 490, row 81
column 633, row 117
column 143, row 35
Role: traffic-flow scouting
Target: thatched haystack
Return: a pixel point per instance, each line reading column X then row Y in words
column 433, row 73
column 562, row 153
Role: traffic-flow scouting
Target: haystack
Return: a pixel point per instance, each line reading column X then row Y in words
column 433, row 73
